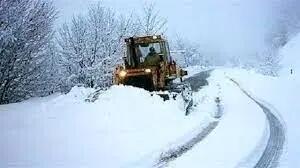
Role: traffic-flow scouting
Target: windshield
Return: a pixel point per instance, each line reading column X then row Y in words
column 143, row 50
column 138, row 54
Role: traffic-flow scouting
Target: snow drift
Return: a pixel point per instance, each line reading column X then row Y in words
column 124, row 125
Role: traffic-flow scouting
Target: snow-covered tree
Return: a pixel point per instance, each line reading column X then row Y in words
column 186, row 53
column 91, row 46
column 151, row 22
column 52, row 72
column 268, row 62
column 25, row 31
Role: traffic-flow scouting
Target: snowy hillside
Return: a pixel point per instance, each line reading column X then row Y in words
column 290, row 57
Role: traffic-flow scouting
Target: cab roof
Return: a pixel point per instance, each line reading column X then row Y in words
column 145, row 39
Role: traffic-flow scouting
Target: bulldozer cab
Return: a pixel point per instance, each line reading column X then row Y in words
column 142, row 52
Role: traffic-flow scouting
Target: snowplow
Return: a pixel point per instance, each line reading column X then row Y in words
column 148, row 64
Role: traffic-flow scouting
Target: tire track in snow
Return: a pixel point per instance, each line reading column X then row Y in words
column 197, row 82
column 173, row 154
column 273, row 150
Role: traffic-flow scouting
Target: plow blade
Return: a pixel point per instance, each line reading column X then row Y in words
column 180, row 90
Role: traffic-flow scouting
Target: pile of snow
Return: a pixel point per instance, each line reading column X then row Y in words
column 121, row 129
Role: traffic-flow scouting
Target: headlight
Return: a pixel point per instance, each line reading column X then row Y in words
column 148, row 70
column 122, row 74
column 154, row 37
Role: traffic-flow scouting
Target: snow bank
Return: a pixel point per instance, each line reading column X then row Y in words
column 123, row 127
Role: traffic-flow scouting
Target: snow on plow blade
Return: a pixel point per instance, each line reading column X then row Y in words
column 180, row 90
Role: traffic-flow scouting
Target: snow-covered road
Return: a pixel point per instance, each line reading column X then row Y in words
column 274, row 148
column 266, row 147
column 197, row 82
column 275, row 143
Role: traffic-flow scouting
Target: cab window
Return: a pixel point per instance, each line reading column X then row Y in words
column 144, row 49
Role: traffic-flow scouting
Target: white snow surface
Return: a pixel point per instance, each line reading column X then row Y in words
column 283, row 94
column 241, row 135
column 127, row 127
column 124, row 126
column 240, row 131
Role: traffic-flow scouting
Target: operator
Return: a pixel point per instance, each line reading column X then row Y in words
column 153, row 58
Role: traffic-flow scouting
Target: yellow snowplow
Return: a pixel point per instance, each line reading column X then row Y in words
column 148, row 64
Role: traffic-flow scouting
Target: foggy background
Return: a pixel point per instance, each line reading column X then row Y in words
column 223, row 29
column 247, row 34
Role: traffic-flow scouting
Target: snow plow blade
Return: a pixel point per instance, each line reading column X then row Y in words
column 180, row 90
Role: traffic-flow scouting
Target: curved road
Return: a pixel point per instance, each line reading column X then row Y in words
column 273, row 150
column 275, row 143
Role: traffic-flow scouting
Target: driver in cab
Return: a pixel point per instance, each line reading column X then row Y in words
column 153, row 58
